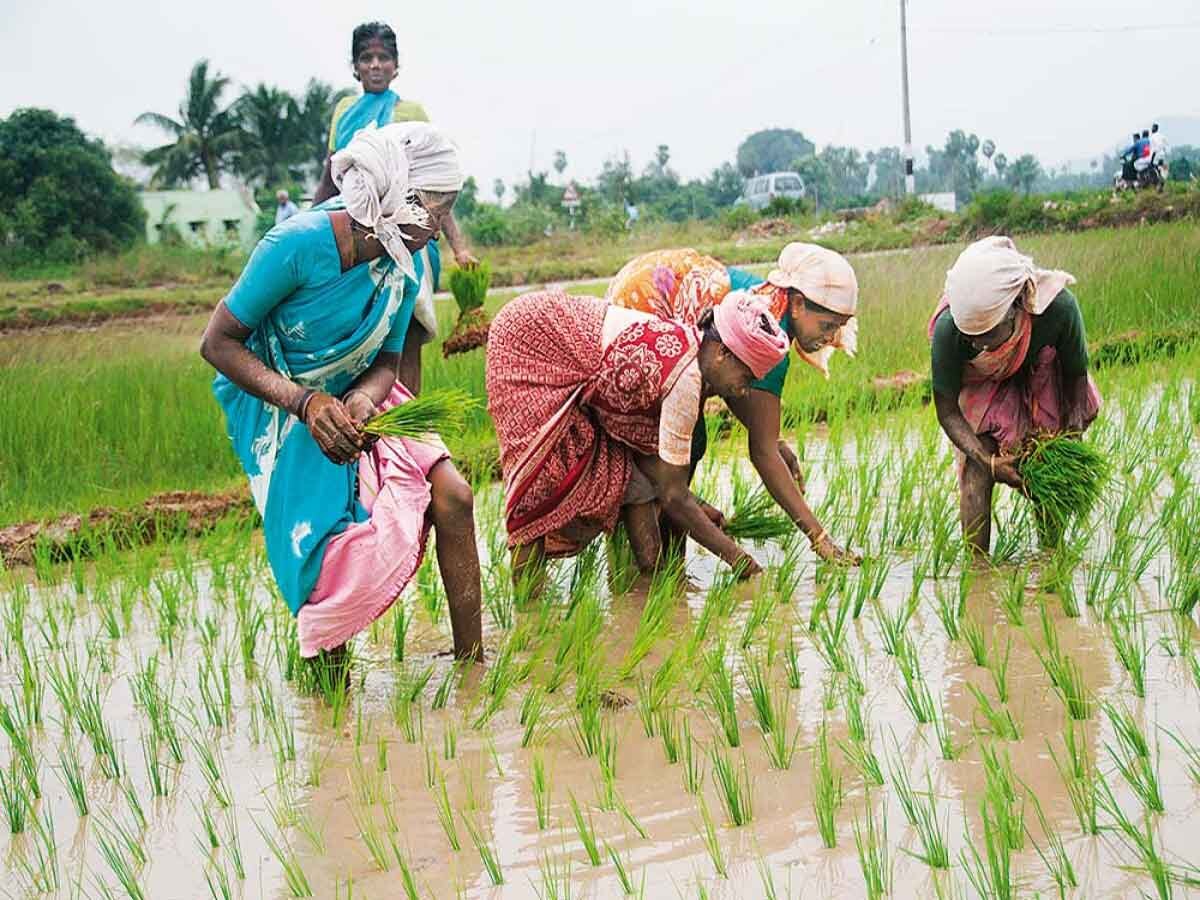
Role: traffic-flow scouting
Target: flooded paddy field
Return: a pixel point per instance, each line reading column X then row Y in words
column 920, row 726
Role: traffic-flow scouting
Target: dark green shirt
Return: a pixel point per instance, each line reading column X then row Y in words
column 1060, row 326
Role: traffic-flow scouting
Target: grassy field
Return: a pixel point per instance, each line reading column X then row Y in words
column 110, row 416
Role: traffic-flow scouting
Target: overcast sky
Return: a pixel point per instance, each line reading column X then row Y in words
column 1064, row 79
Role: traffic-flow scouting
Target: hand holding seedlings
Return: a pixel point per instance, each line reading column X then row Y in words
column 333, row 428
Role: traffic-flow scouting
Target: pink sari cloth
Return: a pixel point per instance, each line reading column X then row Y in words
column 1009, row 409
column 365, row 567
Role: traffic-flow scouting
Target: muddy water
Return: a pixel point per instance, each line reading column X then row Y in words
column 489, row 778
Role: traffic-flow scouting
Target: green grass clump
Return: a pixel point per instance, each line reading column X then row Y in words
column 437, row 411
column 1064, row 477
column 756, row 517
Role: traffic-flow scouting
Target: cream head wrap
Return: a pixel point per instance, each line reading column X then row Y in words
column 379, row 173
column 828, row 280
column 986, row 280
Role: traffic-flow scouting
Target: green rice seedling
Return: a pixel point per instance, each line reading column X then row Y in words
column 437, row 411
column 990, row 873
column 1139, row 840
column 1059, row 578
column 1190, row 751
column 735, row 789
column 585, row 829
column 762, row 605
column 862, row 757
column 15, row 797
column 972, row 633
column 1130, row 736
column 783, row 740
column 948, row 750
column 767, row 878
column 946, row 605
column 1007, row 810
column 372, row 837
column 1058, row 863
column 1012, row 534
column 587, row 727
column 532, row 708
column 113, row 851
column 999, row 672
column 997, row 720
column 693, row 762
column 871, row 843
column 1064, row 478
column 827, row 790
column 23, row 754
column 756, row 517
column 211, row 838
column 293, row 874
column 540, row 781
column 556, row 879
column 622, row 565
column 1078, row 776
column 89, row 715
column 935, row 852
column 712, row 844
column 1133, row 650
column 914, row 690
column 39, row 860
column 754, row 667
column 1012, row 596
column 71, row 773
column 718, row 688
column 868, row 586
column 217, row 879
column 830, row 635
column 606, row 757
column 791, row 663
column 627, row 814
column 155, row 773
column 213, row 771
column 135, row 805
column 652, row 624
column 623, row 877
column 401, row 621
column 667, row 726
column 1137, row 768
column 785, row 577
column 831, row 582
column 893, row 629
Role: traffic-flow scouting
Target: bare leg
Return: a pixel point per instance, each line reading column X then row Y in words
column 975, row 502
column 529, row 570
column 453, row 513
column 410, row 359
column 641, row 524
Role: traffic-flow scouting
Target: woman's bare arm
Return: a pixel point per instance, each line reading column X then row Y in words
column 224, row 348
column 325, row 187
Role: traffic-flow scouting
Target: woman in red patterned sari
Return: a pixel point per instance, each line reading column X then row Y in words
column 594, row 407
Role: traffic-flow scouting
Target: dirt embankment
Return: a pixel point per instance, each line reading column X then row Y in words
column 72, row 536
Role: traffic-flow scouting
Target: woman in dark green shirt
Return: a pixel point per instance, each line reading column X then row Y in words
column 1008, row 357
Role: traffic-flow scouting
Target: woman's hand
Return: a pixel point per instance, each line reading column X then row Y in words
column 1004, row 470
column 829, row 551
column 361, row 408
column 714, row 515
column 465, row 258
column 744, row 566
column 332, row 428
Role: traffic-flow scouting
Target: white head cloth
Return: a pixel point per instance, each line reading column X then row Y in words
column 828, row 280
column 379, row 172
column 988, row 277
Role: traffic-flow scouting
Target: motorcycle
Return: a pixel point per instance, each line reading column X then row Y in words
column 1130, row 179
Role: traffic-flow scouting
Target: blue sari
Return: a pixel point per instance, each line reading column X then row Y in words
column 379, row 110
column 321, row 328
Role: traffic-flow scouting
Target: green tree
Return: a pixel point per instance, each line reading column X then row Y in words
column 772, row 150
column 271, row 149
column 724, row 185
column 467, row 201
column 847, row 173
column 615, row 178
column 560, row 162
column 59, row 195
column 1023, row 172
column 1001, row 164
column 205, row 136
column 888, row 163
column 818, row 180
column 955, row 167
column 315, row 110
column 498, row 189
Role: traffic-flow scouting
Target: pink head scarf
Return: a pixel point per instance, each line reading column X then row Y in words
column 744, row 322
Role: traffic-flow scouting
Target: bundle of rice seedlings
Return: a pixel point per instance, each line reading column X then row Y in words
column 757, row 518
column 1064, row 477
column 469, row 287
column 439, row 411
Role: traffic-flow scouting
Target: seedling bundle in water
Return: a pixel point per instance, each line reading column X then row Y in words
column 756, row 517
column 1064, row 477
column 469, row 287
column 440, row 411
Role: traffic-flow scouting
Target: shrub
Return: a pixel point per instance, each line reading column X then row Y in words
column 737, row 218
column 60, row 199
column 488, row 226
column 1003, row 212
column 783, row 207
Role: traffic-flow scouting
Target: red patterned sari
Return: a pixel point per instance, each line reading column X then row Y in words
column 569, row 415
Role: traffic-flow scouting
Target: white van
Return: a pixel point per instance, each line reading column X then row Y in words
column 762, row 189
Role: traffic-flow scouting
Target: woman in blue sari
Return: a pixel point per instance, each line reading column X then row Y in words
column 307, row 345
column 375, row 58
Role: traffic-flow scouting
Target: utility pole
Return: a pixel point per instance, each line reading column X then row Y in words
column 910, row 181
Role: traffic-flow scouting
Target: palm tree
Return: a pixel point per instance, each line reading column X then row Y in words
column 315, row 111
column 271, row 150
column 205, row 135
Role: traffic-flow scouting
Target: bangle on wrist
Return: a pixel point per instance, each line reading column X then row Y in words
column 302, row 406
column 816, row 539
column 346, row 396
